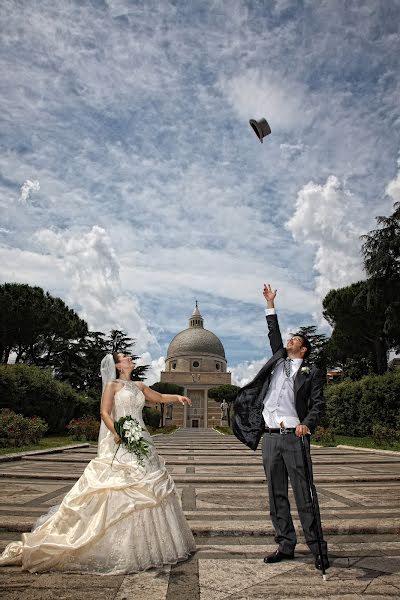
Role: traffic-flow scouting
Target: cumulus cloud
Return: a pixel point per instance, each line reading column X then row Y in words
column 246, row 371
column 195, row 205
column 27, row 188
column 153, row 374
column 91, row 266
column 259, row 93
column 393, row 187
column 327, row 217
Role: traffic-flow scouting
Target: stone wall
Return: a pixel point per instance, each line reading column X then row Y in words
column 186, row 378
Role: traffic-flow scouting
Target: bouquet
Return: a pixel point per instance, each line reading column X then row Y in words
column 130, row 432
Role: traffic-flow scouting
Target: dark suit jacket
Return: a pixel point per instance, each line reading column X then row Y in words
column 248, row 423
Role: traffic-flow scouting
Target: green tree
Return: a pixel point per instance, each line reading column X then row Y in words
column 45, row 332
column 318, row 343
column 381, row 253
column 79, row 361
column 166, row 388
column 34, row 324
column 357, row 327
column 225, row 392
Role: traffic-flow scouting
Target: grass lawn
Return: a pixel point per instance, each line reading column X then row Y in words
column 51, row 441
column 165, row 430
column 345, row 440
column 364, row 442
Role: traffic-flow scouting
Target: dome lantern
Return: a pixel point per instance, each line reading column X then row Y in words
column 196, row 320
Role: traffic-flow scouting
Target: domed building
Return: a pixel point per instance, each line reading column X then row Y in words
column 196, row 361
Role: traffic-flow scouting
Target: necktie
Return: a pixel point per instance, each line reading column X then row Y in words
column 287, row 366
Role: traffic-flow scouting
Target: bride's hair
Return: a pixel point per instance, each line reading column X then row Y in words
column 116, row 361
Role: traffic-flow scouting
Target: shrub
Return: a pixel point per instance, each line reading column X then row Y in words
column 354, row 406
column 324, row 435
column 86, row 428
column 384, row 435
column 31, row 391
column 151, row 417
column 17, row 430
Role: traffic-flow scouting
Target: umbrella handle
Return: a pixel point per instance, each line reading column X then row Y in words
column 311, row 498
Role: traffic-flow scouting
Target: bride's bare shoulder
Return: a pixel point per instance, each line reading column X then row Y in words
column 114, row 386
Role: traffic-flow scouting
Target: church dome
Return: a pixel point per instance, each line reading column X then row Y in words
column 195, row 340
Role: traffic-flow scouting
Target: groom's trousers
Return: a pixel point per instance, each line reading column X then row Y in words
column 283, row 457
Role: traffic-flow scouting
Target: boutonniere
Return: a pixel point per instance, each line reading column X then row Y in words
column 305, row 370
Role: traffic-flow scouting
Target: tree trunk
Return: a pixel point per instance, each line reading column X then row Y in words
column 381, row 356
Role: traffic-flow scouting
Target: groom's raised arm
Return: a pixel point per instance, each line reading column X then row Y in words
column 274, row 333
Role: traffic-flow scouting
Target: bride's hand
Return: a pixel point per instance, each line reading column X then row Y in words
column 117, row 439
column 184, row 400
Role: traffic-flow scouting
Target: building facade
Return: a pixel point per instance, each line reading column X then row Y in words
column 196, row 361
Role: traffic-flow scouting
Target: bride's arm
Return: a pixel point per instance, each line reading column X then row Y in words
column 106, row 407
column 156, row 398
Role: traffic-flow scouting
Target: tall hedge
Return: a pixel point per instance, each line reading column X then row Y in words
column 353, row 407
column 31, row 391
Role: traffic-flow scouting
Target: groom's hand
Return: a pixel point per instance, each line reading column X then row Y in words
column 302, row 430
column 269, row 295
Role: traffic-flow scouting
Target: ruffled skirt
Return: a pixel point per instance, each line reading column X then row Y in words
column 116, row 519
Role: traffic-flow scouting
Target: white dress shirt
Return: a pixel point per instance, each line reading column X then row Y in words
column 279, row 406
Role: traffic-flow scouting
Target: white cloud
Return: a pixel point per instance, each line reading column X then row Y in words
column 27, row 188
column 393, row 187
column 329, row 218
column 139, row 123
column 291, row 150
column 153, row 374
column 91, row 267
column 246, row 371
column 259, row 92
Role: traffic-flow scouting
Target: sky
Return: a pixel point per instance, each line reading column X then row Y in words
column 131, row 184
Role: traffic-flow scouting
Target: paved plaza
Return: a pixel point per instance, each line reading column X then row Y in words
column 224, row 496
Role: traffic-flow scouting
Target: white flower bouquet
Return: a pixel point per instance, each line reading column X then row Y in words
column 130, row 432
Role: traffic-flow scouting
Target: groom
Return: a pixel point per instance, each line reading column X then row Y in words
column 284, row 402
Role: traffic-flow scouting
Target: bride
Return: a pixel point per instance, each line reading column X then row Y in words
column 120, row 516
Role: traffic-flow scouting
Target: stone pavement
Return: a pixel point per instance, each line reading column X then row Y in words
column 224, row 497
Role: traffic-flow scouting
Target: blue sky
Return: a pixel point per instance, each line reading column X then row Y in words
column 131, row 183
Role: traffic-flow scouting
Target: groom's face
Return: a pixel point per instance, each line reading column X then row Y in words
column 296, row 345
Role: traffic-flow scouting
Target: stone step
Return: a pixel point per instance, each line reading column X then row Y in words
column 205, row 515
column 204, row 479
column 236, row 528
column 258, row 547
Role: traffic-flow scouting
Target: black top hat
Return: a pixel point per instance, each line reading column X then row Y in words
column 261, row 128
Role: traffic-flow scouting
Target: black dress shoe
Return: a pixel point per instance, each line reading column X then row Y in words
column 318, row 562
column 277, row 556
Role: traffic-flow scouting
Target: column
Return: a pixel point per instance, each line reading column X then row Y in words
column 185, row 409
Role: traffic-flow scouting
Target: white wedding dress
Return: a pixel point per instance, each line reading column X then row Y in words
column 116, row 519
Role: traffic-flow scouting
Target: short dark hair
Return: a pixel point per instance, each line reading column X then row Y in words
column 306, row 343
